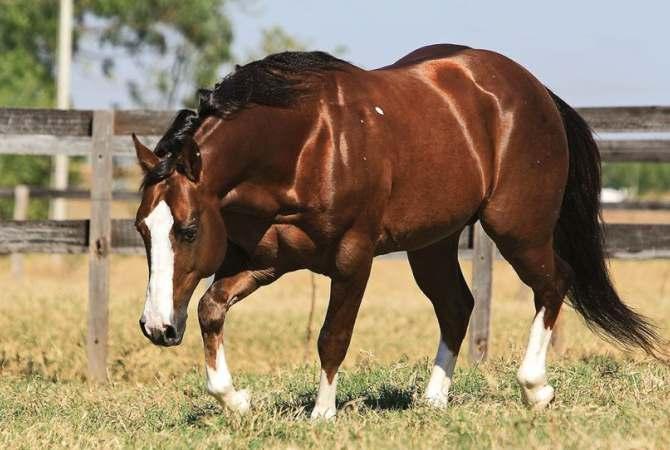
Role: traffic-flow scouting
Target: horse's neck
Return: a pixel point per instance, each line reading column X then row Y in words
column 260, row 146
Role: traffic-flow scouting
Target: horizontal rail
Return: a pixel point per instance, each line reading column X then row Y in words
column 634, row 150
column 17, row 144
column 54, row 122
column 82, row 194
column 641, row 205
column 641, row 240
column 71, row 236
column 153, row 122
column 63, row 236
column 58, row 122
column 623, row 119
column 68, row 132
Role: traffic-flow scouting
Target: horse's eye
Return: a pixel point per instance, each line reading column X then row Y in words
column 188, row 234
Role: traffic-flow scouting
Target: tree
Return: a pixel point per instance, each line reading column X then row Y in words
column 178, row 44
column 275, row 39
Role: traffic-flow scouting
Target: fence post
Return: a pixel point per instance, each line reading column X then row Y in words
column 310, row 317
column 482, row 270
column 99, row 245
column 21, row 199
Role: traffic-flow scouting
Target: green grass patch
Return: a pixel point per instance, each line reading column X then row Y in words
column 602, row 400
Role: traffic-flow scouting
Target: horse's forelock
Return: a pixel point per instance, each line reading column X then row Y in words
column 165, row 167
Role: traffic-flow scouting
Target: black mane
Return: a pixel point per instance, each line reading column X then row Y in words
column 278, row 80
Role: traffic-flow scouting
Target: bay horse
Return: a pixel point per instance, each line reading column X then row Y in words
column 304, row 161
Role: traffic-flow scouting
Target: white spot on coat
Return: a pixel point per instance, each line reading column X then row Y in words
column 379, row 110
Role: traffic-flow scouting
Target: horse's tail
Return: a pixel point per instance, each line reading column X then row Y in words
column 579, row 239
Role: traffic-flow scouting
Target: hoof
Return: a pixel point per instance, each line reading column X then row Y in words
column 323, row 414
column 538, row 398
column 238, row 401
column 437, row 401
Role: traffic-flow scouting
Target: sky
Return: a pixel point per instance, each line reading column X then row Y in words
column 590, row 52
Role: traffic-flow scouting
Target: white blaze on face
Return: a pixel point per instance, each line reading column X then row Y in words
column 158, row 309
column 324, row 407
column 437, row 391
column 532, row 373
column 220, row 385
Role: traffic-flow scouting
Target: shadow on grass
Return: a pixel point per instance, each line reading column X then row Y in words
column 385, row 397
column 197, row 413
column 390, row 397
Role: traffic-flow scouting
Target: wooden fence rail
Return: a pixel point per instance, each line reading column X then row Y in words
column 39, row 192
column 102, row 135
column 624, row 240
column 77, row 194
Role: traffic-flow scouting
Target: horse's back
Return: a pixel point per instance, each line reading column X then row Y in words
column 465, row 125
column 428, row 53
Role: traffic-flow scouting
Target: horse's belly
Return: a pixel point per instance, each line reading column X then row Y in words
column 430, row 209
column 402, row 239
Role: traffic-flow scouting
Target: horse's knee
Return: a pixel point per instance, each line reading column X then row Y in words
column 211, row 313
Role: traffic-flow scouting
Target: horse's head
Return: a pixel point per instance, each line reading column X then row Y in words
column 183, row 232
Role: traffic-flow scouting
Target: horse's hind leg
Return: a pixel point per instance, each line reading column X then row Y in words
column 549, row 277
column 438, row 274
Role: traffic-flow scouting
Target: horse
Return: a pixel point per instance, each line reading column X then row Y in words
column 302, row 160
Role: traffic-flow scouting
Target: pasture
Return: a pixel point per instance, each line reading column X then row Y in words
column 156, row 397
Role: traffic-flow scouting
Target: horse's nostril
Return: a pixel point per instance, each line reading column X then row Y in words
column 144, row 330
column 170, row 332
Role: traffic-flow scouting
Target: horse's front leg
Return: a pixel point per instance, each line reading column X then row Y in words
column 212, row 309
column 346, row 293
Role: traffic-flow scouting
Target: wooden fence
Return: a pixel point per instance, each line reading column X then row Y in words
column 102, row 135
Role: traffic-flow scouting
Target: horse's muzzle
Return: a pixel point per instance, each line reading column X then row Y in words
column 167, row 336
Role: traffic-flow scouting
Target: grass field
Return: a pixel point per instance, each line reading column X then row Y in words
column 156, row 398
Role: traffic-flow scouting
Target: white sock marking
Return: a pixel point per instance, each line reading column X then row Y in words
column 324, row 407
column 220, row 385
column 437, row 391
column 158, row 307
column 532, row 372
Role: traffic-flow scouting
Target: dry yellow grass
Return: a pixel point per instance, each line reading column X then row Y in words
column 43, row 319
column 156, row 395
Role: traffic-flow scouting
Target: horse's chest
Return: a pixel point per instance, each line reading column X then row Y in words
column 277, row 245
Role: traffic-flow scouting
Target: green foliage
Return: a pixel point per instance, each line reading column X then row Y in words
column 378, row 408
column 191, row 38
column 28, row 31
column 639, row 178
column 30, row 170
column 275, row 39
column 178, row 45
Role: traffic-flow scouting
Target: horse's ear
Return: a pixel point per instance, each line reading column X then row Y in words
column 145, row 156
column 191, row 162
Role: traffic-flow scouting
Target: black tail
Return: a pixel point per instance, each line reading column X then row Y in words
column 579, row 240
